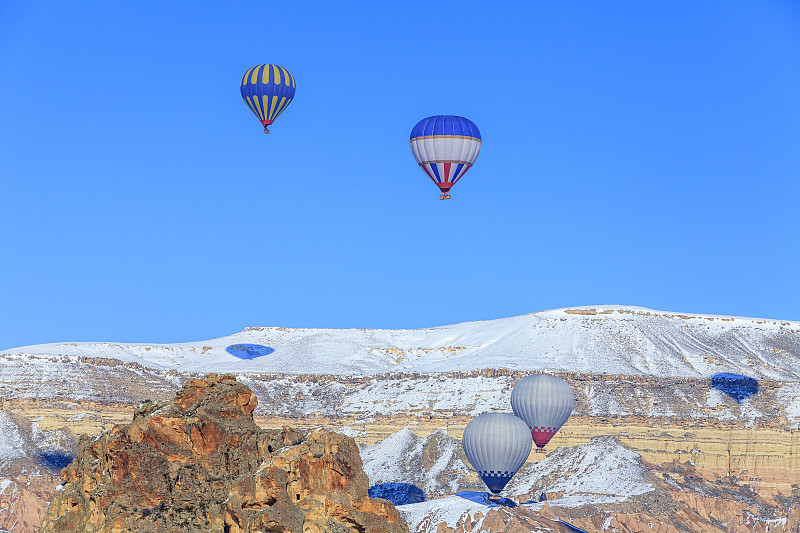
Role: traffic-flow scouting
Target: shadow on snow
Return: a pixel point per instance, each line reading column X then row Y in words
column 483, row 498
column 397, row 493
column 249, row 351
column 736, row 386
column 55, row 460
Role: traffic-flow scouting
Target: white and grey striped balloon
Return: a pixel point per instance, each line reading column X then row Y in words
column 544, row 403
column 497, row 445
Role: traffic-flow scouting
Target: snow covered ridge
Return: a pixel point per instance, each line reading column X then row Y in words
column 433, row 463
column 609, row 339
column 600, row 471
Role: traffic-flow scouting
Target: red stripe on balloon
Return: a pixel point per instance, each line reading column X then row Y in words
column 542, row 435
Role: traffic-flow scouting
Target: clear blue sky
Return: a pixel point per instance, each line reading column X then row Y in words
column 637, row 153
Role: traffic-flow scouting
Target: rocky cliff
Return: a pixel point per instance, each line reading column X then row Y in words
column 200, row 463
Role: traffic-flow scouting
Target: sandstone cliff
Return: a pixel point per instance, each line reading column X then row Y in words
column 200, row 463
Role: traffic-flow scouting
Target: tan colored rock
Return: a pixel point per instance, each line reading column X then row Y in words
column 200, row 463
column 23, row 503
column 547, row 512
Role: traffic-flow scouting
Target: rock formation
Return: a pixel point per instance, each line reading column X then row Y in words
column 200, row 463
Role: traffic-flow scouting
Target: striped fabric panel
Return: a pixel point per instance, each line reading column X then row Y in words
column 267, row 90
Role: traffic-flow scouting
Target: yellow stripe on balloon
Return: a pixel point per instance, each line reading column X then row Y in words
column 265, row 105
column 250, row 105
column 249, row 100
column 280, row 107
column 286, row 76
column 277, row 74
column 247, row 75
column 261, row 107
column 265, row 75
column 272, row 107
column 254, row 77
column 292, row 78
column 258, row 106
column 279, row 113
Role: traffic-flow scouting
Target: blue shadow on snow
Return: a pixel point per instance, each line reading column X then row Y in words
column 249, row 351
column 55, row 460
column 736, row 386
column 573, row 528
column 483, row 498
column 397, row 493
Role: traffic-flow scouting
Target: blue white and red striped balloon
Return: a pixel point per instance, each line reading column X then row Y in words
column 445, row 147
column 544, row 402
column 497, row 445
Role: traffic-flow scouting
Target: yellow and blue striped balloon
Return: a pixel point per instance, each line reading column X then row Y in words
column 267, row 90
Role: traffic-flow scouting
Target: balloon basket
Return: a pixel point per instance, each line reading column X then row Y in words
column 266, row 130
column 495, row 497
column 541, row 450
column 444, row 197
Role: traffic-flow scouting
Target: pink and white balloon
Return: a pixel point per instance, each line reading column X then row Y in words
column 544, row 403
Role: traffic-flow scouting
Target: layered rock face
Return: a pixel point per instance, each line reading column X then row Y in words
column 200, row 463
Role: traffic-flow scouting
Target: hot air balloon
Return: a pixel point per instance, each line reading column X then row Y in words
column 267, row 90
column 445, row 147
column 497, row 445
column 544, row 403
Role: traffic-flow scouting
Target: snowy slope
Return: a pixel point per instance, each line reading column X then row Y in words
column 600, row 471
column 433, row 463
column 12, row 444
column 453, row 511
column 610, row 339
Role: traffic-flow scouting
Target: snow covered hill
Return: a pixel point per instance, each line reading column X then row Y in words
column 597, row 486
column 608, row 339
column 600, row 471
column 435, row 464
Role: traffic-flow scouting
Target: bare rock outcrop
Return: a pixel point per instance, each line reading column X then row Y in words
column 200, row 463
column 23, row 502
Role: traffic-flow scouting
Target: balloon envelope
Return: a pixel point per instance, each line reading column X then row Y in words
column 497, row 445
column 267, row 90
column 445, row 147
column 544, row 403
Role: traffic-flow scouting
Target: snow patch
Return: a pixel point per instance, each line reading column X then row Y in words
column 382, row 460
column 474, row 396
column 5, row 483
column 348, row 431
column 453, row 511
column 789, row 395
column 12, row 444
column 600, row 471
